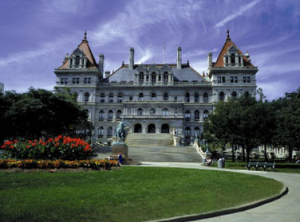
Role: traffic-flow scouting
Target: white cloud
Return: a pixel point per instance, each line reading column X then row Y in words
column 236, row 14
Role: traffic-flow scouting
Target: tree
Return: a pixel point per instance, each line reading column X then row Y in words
column 41, row 113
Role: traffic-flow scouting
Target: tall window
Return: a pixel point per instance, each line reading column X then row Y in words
column 141, row 97
column 102, row 98
column 232, row 59
column 153, row 78
column 100, row 132
column 141, row 77
column 187, row 132
column 205, row 98
column 120, row 98
column 221, row 96
column 235, row 79
column 101, row 115
column 86, row 97
column 119, row 113
column 140, row 112
column 152, row 112
column 165, row 112
column 205, row 114
column 187, row 115
column 153, row 96
column 196, row 97
column 77, row 61
column 166, row 96
column 165, row 77
column 187, row 97
column 234, row 95
column 110, row 115
column 109, row 132
column 197, row 115
column 111, row 97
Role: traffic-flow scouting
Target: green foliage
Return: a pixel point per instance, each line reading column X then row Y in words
column 130, row 194
column 38, row 113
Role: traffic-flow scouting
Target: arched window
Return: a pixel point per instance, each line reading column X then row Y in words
column 196, row 97
column 151, row 128
column 205, row 98
column 246, row 94
column 221, row 96
column 86, row 97
column 197, row 115
column 77, row 61
column 166, row 77
column 119, row 113
column 152, row 112
column 165, row 112
column 232, row 59
column 141, row 77
column 141, row 97
column 153, row 77
column 187, row 132
column 165, row 128
column 187, row 97
column 233, row 94
column 102, row 98
column 140, row 112
column 110, row 115
column 205, row 114
column 187, row 115
column 101, row 115
column 100, row 132
column 111, row 97
column 153, row 96
column 166, row 96
column 109, row 132
column 120, row 98
column 137, row 128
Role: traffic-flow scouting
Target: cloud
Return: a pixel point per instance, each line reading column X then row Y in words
column 238, row 13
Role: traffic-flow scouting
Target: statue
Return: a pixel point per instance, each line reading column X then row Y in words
column 121, row 132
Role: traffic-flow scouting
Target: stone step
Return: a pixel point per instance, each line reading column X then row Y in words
column 161, row 139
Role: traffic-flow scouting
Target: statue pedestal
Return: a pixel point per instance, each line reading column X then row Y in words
column 120, row 148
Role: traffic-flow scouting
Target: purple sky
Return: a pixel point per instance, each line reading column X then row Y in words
column 35, row 36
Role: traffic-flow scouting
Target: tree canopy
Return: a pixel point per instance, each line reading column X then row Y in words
column 39, row 113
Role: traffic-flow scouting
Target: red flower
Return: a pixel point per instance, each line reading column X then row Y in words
column 12, row 146
column 34, row 144
column 50, row 140
column 29, row 141
column 27, row 146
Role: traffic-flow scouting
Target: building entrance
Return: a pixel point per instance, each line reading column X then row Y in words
column 137, row 128
column 151, row 128
column 165, row 128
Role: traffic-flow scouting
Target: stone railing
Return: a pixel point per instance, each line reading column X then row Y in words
column 199, row 150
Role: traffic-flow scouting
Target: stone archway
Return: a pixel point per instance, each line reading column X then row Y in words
column 137, row 128
column 165, row 128
column 151, row 128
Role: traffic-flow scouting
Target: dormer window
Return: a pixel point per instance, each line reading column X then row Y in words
column 77, row 61
column 232, row 59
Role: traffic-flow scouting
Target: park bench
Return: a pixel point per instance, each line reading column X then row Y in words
column 261, row 165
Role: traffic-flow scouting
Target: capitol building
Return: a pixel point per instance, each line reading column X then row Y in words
column 155, row 98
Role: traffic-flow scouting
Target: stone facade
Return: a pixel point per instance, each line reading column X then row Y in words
column 155, row 98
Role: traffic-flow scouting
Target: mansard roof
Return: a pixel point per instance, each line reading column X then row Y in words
column 186, row 73
column 86, row 50
column 227, row 45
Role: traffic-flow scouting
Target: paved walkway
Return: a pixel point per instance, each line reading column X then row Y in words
column 286, row 209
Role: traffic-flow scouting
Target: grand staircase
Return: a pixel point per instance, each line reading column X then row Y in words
column 149, row 139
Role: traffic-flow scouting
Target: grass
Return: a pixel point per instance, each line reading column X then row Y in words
column 130, row 194
column 279, row 167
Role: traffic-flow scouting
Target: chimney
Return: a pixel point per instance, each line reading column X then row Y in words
column 179, row 58
column 107, row 73
column 131, row 58
column 101, row 64
column 209, row 60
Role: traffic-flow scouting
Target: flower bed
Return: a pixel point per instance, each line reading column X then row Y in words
column 49, row 164
column 61, row 147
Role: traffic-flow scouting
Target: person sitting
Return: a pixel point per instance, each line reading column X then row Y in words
column 208, row 162
column 297, row 159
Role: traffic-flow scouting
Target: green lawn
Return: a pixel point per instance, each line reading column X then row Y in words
column 129, row 194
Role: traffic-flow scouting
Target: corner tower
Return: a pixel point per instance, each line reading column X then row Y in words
column 233, row 74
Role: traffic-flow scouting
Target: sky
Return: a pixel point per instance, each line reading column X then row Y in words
column 36, row 35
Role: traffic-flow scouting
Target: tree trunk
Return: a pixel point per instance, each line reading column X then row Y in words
column 290, row 153
column 248, row 155
column 244, row 154
column 265, row 153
